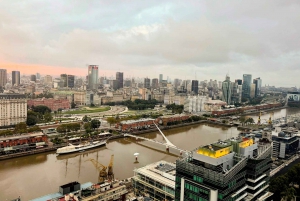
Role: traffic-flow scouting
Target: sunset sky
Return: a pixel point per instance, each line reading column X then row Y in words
column 180, row 39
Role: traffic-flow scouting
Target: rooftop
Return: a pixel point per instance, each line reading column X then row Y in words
column 161, row 171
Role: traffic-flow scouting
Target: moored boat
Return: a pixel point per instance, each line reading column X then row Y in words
column 79, row 148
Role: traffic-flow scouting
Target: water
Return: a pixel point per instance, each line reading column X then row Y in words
column 276, row 114
column 37, row 175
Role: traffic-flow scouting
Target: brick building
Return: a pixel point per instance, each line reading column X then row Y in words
column 135, row 124
column 172, row 118
column 53, row 104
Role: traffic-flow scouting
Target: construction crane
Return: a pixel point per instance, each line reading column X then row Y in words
column 102, row 170
column 110, row 174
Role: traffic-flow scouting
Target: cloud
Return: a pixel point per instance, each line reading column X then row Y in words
column 172, row 37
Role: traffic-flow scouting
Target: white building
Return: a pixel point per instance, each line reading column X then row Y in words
column 13, row 109
column 195, row 103
column 156, row 180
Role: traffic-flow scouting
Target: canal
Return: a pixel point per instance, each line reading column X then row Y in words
column 37, row 175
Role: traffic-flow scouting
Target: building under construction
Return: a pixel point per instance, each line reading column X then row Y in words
column 231, row 170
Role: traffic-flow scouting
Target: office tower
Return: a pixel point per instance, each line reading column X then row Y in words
column 48, row 80
column 15, row 78
column 71, row 81
column 257, row 83
column 33, row 78
column 154, row 83
column 38, row 76
column 233, row 169
column 147, row 83
column 3, row 77
column 160, row 77
column 247, row 78
column 64, row 79
column 236, row 93
column 226, row 90
column 119, row 78
column 239, row 81
column 127, row 83
column 92, row 76
column 195, row 87
column 176, row 83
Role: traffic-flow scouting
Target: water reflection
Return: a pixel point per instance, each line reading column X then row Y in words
column 37, row 175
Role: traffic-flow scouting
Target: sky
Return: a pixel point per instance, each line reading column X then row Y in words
column 191, row 39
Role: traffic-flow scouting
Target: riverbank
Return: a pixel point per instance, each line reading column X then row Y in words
column 31, row 152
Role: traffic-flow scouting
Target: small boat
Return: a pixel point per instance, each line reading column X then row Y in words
column 79, row 148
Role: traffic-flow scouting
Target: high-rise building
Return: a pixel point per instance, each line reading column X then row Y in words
column 176, row 83
column 226, row 90
column 119, row 78
column 239, row 81
column 257, row 83
column 247, row 78
column 33, row 78
column 93, row 77
column 71, row 81
column 147, row 83
column 234, row 169
column 48, row 80
column 160, row 77
column 127, row 83
column 64, row 79
column 15, row 78
column 3, row 77
column 38, row 76
column 195, row 84
column 154, row 83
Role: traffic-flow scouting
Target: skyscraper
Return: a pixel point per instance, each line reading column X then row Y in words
column 233, row 169
column 71, row 81
column 33, row 78
column 195, row 87
column 3, row 77
column 64, row 79
column 147, row 83
column 257, row 83
column 93, row 77
column 15, row 76
column 160, row 77
column 119, row 78
column 38, row 76
column 247, row 78
column 154, row 83
column 226, row 90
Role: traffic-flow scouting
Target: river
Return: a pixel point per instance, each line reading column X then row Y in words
column 37, row 175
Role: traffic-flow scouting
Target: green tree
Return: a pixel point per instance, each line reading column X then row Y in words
column 73, row 105
column 86, row 118
column 21, row 128
column 288, row 193
column 95, row 123
column 111, row 120
column 31, row 120
column 48, row 116
column 42, row 109
column 88, row 128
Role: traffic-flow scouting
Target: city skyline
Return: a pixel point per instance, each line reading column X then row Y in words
column 183, row 40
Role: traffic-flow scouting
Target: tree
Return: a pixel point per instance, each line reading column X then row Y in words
column 42, row 109
column 250, row 120
column 21, row 128
column 288, row 193
column 48, row 116
column 88, row 128
column 73, row 105
column 86, row 118
column 242, row 119
column 95, row 123
column 31, row 120
column 111, row 120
